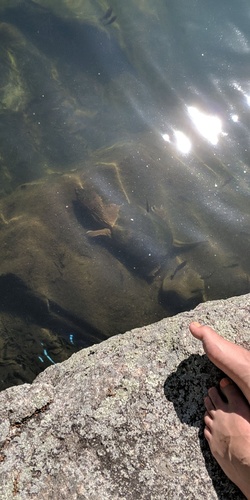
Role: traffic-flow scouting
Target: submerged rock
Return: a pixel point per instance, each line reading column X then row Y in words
column 138, row 234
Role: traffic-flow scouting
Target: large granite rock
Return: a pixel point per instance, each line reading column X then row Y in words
column 122, row 419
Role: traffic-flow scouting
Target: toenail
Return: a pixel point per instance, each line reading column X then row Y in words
column 195, row 323
column 225, row 381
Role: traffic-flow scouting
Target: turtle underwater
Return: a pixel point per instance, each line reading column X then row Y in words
column 141, row 237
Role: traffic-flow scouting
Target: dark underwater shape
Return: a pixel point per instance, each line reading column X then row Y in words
column 17, row 298
column 110, row 21
column 77, row 43
column 141, row 239
column 107, row 14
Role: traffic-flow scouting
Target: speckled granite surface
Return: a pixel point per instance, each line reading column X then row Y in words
column 121, row 420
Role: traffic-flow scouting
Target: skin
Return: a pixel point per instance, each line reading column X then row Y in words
column 227, row 423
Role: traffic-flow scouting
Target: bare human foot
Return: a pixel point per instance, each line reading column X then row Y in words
column 227, row 430
column 232, row 359
column 227, row 424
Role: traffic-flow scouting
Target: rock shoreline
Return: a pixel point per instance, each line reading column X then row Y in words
column 122, row 419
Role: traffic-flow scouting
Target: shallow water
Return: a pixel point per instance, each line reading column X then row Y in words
column 130, row 119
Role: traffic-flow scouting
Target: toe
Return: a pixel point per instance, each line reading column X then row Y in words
column 196, row 329
column 226, row 386
column 207, row 434
column 209, row 405
column 230, row 390
column 201, row 331
column 216, row 399
column 208, row 421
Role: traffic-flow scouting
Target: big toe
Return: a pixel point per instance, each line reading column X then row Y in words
column 200, row 331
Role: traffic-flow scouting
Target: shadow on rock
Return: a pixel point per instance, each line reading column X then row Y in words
column 186, row 389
